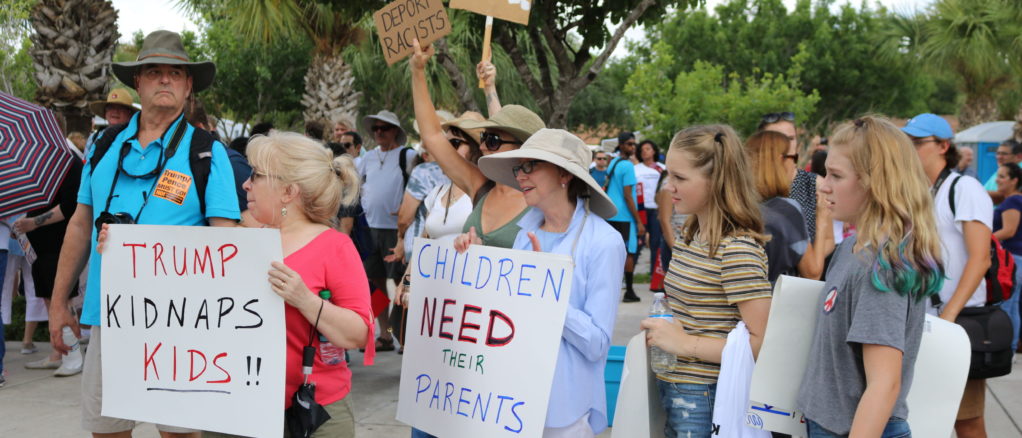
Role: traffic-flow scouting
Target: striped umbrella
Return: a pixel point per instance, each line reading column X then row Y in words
column 34, row 156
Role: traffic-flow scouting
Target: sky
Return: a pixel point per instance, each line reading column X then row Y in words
column 166, row 15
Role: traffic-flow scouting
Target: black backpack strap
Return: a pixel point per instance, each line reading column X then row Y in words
column 610, row 174
column 402, row 162
column 951, row 195
column 200, row 158
column 102, row 144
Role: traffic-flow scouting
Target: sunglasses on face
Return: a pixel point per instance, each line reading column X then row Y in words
column 776, row 117
column 381, row 128
column 494, row 142
column 794, row 157
column 256, row 174
column 526, row 167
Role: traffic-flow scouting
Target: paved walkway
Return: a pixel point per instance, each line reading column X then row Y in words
column 36, row 404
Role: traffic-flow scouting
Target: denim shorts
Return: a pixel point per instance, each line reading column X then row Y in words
column 896, row 428
column 689, row 408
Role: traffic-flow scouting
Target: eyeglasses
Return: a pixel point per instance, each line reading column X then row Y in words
column 379, row 128
column 256, row 174
column 794, row 157
column 526, row 167
column 921, row 141
column 602, row 158
column 457, row 142
column 776, row 117
column 346, row 145
column 494, row 142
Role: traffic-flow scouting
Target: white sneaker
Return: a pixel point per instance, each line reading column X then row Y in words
column 71, row 365
column 29, row 348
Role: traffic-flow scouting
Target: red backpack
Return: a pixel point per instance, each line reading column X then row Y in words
column 1000, row 276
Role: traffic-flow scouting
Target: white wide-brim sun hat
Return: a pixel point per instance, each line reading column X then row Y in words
column 558, row 147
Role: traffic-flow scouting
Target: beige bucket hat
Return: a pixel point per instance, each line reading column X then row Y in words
column 117, row 96
column 560, row 148
column 385, row 117
column 517, row 120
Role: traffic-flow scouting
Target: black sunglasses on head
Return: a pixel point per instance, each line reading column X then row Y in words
column 776, row 117
column 494, row 142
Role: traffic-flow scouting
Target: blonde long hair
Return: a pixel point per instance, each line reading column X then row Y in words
column 733, row 204
column 324, row 182
column 897, row 222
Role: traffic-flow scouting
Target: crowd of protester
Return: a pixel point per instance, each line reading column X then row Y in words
column 892, row 219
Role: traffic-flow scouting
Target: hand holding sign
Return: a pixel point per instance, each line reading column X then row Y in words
column 289, row 285
column 421, row 56
column 464, row 240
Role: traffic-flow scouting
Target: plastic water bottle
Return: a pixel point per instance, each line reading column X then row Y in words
column 659, row 360
column 329, row 353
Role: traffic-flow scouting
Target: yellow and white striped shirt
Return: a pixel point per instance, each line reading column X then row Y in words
column 704, row 293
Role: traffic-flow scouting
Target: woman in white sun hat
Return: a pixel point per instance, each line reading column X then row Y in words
column 567, row 217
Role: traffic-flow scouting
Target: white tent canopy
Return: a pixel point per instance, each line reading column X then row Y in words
column 990, row 132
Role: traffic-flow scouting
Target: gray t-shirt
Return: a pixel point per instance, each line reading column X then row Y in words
column 853, row 312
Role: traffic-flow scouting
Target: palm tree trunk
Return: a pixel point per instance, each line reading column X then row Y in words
column 73, row 45
column 330, row 89
column 977, row 109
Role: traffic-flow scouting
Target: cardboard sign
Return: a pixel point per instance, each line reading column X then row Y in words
column 516, row 11
column 483, row 334
column 638, row 411
column 192, row 334
column 398, row 23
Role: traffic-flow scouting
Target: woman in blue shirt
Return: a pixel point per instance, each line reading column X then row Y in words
column 568, row 217
column 1006, row 219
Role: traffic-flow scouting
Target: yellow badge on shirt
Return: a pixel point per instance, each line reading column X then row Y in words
column 173, row 186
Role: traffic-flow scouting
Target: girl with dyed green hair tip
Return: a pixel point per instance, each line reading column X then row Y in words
column 873, row 307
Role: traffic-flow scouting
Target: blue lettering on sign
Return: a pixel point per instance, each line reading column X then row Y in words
column 480, row 408
column 770, row 410
column 754, row 421
column 419, row 260
column 550, row 280
column 503, row 274
column 440, row 262
column 489, row 271
column 522, row 279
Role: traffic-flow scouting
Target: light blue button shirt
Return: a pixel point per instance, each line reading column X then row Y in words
column 578, row 385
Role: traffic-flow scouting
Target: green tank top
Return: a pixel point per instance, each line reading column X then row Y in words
column 502, row 237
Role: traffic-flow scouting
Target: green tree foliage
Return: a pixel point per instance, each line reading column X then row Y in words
column 254, row 81
column 707, row 94
column 979, row 41
column 602, row 102
column 15, row 61
column 845, row 56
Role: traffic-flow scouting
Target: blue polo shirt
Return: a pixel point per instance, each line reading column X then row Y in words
column 171, row 204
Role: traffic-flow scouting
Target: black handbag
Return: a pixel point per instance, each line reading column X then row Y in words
column 990, row 334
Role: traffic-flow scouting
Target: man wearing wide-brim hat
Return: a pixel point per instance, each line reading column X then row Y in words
column 385, row 171
column 117, row 108
column 121, row 177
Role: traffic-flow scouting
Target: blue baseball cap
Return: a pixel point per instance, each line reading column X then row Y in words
column 927, row 124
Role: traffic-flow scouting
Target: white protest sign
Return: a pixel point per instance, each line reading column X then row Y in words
column 938, row 380
column 783, row 356
column 941, row 368
column 638, row 411
column 482, row 340
column 192, row 334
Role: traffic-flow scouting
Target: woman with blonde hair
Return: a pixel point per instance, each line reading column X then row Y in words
column 297, row 186
column 871, row 314
column 717, row 276
column 789, row 251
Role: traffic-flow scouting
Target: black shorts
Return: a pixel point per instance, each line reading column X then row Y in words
column 383, row 240
column 625, row 228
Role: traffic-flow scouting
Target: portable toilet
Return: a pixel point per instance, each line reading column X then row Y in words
column 984, row 139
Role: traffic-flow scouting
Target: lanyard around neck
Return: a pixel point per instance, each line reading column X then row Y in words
column 165, row 155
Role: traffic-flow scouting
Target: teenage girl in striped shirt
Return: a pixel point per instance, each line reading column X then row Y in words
column 718, row 272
